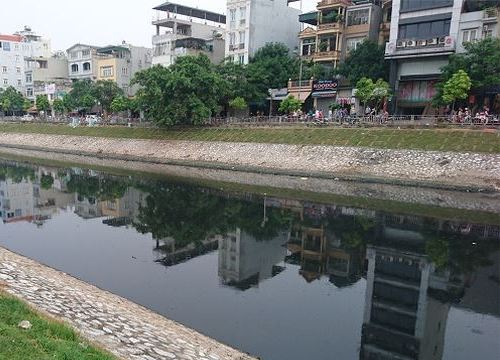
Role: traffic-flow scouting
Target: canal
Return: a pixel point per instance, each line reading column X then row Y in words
column 279, row 278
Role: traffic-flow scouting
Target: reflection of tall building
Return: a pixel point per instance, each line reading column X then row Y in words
column 87, row 207
column 407, row 305
column 16, row 201
column 319, row 252
column 172, row 252
column 245, row 262
column 124, row 210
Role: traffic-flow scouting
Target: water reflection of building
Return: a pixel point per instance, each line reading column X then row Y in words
column 87, row 207
column 171, row 252
column 124, row 210
column 244, row 261
column 16, row 200
column 407, row 298
column 320, row 251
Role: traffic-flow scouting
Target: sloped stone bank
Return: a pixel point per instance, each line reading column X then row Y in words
column 479, row 171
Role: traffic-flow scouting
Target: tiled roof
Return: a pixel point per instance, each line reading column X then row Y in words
column 15, row 38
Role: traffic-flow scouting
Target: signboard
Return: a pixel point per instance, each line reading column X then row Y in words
column 50, row 89
column 325, row 85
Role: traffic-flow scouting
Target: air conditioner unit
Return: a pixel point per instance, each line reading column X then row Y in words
column 433, row 41
column 422, row 42
column 411, row 43
column 401, row 44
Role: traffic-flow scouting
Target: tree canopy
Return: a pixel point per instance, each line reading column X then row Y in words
column 11, row 100
column 188, row 92
column 104, row 92
column 481, row 62
column 457, row 87
column 42, row 103
column 367, row 60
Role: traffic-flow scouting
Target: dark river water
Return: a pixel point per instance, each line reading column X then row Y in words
column 275, row 277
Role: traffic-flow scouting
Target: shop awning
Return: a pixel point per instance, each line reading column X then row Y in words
column 303, row 95
column 324, row 94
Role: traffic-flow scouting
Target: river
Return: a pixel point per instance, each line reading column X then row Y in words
column 279, row 278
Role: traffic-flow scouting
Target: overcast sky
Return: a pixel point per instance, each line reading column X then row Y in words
column 94, row 22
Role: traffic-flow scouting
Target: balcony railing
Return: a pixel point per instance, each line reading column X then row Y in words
column 302, row 84
column 330, row 26
column 327, row 55
column 490, row 13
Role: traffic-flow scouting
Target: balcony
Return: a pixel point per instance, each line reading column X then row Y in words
column 330, row 27
column 327, row 55
column 490, row 14
column 296, row 85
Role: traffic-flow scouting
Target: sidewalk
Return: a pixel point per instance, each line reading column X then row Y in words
column 127, row 330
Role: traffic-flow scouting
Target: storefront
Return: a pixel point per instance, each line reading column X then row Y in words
column 324, row 94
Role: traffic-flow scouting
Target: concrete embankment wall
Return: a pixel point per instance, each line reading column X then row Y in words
column 428, row 168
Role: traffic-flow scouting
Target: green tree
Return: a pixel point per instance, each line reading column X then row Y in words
column 46, row 181
column 105, row 91
column 188, row 92
column 120, row 103
column 364, row 90
column 11, row 100
column 289, row 105
column 238, row 104
column 271, row 68
column 42, row 103
column 81, row 97
column 480, row 62
column 59, row 106
column 381, row 91
column 457, row 87
column 367, row 60
column 235, row 83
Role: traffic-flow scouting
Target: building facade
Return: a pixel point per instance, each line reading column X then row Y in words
column 423, row 35
column 182, row 30
column 47, row 76
column 251, row 24
column 82, row 62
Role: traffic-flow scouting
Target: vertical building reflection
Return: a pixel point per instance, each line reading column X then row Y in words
column 407, row 298
column 244, row 261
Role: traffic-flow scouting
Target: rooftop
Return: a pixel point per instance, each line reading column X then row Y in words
column 191, row 12
column 15, row 38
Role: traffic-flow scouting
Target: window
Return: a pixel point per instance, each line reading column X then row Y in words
column 232, row 39
column 6, row 46
column 469, row 35
column 232, row 14
column 424, row 30
column 242, row 39
column 124, row 71
column 412, row 5
column 4, row 69
column 5, row 82
column 243, row 15
column 18, row 70
column 308, row 47
column 74, row 68
column 16, row 47
column 358, row 17
column 18, row 58
column 106, row 71
column 85, row 52
column 86, row 66
column 488, row 31
column 19, row 82
column 29, row 92
column 73, row 54
column 242, row 59
column 353, row 43
column 29, row 78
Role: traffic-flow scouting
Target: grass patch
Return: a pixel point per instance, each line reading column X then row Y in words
column 47, row 339
column 418, row 139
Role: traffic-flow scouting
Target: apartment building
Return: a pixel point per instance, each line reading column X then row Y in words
column 47, row 76
column 334, row 29
column 14, row 49
column 183, row 30
column 82, row 62
column 477, row 22
column 423, row 35
column 251, row 24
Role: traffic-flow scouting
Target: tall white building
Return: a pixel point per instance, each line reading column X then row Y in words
column 251, row 24
column 14, row 50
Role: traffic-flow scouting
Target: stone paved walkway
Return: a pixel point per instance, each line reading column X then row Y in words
column 122, row 327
